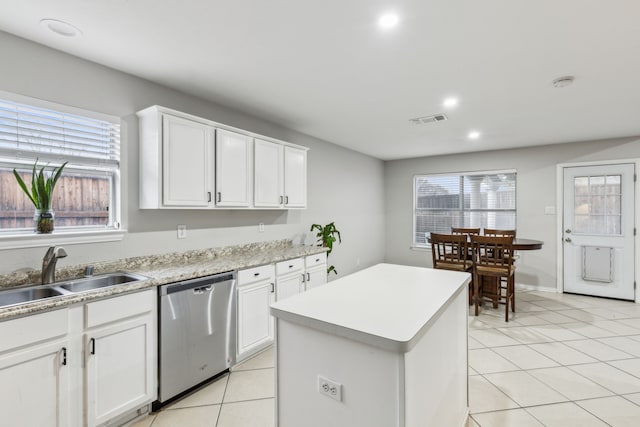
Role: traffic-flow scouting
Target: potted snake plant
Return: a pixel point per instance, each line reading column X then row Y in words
column 41, row 194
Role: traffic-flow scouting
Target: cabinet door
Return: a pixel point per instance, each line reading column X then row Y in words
column 316, row 276
column 233, row 163
column 119, row 369
column 268, row 174
column 255, row 324
column 187, row 162
column 35, row 386
column 295, row 177
column 288, row 286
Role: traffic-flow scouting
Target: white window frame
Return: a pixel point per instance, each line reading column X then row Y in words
column 10, row 239
column 417, row 246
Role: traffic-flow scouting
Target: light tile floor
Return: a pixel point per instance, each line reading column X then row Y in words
column 242, row 398
column 562, row 360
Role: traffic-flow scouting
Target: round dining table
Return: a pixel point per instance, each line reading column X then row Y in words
column 520, row 244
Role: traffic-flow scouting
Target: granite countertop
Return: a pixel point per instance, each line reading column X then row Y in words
column 160, row 269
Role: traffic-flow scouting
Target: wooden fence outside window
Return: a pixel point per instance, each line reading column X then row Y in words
column 77, row 201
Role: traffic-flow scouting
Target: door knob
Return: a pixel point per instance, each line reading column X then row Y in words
column 568, row 239
column 568, row 230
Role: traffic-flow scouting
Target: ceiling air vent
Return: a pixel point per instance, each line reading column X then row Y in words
column 428, row 119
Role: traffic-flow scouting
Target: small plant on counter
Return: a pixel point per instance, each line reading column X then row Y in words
column 326, row 237
column 41, row 194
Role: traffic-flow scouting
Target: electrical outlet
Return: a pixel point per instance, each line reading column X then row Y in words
column 330, row 388
column 182, row 231
column 261, row 227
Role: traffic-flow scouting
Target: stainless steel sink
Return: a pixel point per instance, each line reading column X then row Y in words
column 97, row 282
column 24, row 295
column 34, row 293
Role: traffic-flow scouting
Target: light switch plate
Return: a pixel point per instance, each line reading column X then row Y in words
column 182, row 231
column 549, row 210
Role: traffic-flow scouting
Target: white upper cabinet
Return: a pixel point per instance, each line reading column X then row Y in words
column 295, row 177
column 268, row 174
column 280, row 176
column 233, row 169
column 187, row 160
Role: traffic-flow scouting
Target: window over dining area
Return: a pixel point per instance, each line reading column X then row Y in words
column 472, row 199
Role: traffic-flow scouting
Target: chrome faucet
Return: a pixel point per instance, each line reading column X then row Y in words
column 49, row 263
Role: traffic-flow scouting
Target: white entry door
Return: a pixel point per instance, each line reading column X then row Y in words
column 598, row 229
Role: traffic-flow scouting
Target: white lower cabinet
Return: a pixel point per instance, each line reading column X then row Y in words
column 256, row 290
column 260, row 286
column 288, row 286
column 34, row 370
column 35, row 386
column 315, row 270
column 316, row 276
column 289, row 278
column 85, row 365
column 120, row 361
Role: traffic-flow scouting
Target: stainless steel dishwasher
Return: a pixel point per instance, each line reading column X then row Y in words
column 197, row 332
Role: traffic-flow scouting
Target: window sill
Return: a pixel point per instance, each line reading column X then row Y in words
column 420, row 248
column 19, row 241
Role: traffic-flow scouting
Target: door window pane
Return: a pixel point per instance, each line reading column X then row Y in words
column 581, row 186
column 597, row 205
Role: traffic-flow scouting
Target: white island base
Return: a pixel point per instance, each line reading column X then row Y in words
column 391, row 340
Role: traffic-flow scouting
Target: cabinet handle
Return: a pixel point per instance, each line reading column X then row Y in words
column 286, row 200
column 304, row 278
column 209, row 196
column 273, row 287
column 64, row 356
column 92, row 346
column 219, row 196
column 308, row 277
column 256, row 274
column 281, row 199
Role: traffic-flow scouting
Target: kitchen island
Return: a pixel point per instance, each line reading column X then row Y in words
column 383, row 347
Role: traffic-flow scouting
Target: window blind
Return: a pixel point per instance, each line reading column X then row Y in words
column 27, row 132
column 479, row 200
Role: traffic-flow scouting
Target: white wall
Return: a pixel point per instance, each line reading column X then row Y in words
column 343, row 186
column 536, row 188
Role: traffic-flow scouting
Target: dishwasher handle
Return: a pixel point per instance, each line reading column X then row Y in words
column 202, row 290
column 202, row 284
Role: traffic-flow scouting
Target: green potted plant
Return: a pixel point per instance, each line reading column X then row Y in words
column 326, row 237
column 42, row 186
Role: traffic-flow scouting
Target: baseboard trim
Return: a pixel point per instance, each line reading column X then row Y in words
column 526, row 287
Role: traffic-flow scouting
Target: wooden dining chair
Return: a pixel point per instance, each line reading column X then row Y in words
column 493, row 260
column 466, row 231
column 450, row 252
column 499, row 233
column 502, row 233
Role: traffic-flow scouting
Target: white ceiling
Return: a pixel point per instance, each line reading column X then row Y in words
column 324, row 68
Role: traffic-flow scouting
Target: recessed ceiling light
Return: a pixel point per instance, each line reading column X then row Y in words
column 61, row 28
column 388, row 20
column 474, row 134
column 450, row 102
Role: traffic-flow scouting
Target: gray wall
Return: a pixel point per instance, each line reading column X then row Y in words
column 343, row 186
column 536, row 187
